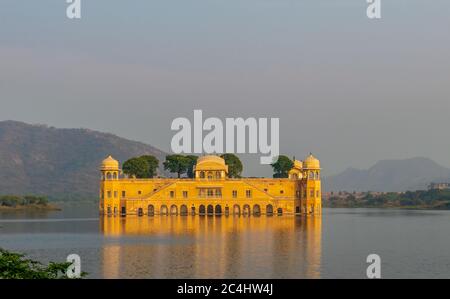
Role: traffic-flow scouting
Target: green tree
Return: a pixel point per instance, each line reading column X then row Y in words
column 153, row 164
column 192, row 161
column 16, row 266
column 136, row 166
column 178, row 164
column 282, row 166
column 234, row 165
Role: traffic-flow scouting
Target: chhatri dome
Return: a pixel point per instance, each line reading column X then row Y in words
column 311, row 162
column 110, row 164
column 211, row 162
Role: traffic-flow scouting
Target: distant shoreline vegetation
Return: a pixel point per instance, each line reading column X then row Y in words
column 25, row 202
column 430, row 199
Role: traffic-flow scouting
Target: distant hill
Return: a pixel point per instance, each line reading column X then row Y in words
column 60, row 163
column 389, row 176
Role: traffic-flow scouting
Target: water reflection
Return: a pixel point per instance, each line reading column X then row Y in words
column 211, row 247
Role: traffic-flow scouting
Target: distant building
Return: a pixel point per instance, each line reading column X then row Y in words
column 439, row 186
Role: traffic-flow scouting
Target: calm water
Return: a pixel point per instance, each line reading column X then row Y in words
column 412, row 244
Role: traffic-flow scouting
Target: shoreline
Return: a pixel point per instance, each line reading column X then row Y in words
column 18, row 208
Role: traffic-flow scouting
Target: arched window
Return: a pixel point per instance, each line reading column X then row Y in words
column 217, row 174
column 202, row 174
column 108, row 175
column 210, row 175
column 115, row 176
column 317, row 176
column 311, row 175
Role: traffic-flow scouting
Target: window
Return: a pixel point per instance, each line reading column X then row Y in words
column 202, row 174
column 317, row 194
column 185, row 194
column 210, row 175
column 139, row 192
column 311, row 193
column 265, row 189
column 201, row 192
column 218, row 193
column 108, row 194
column 281, row 191
column 124, row 193
column 218, row 175
column 248, row 193
column 210, row 192
column 154, row 190
column 172, row 194
column 311, row 175
column 317, row 176
column 298, row 194
column 234, row 193
column 115, row 194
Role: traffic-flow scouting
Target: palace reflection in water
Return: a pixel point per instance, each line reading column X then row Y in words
column 211, row 247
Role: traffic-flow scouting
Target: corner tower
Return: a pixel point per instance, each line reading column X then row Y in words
column 109, row 198
column 312, row 200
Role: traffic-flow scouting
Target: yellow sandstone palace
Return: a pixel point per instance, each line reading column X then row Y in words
column 211, row 192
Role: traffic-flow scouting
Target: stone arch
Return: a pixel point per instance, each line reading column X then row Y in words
column 140, row 212
column 202, row 210
column 183, row 210
column 173, row 210
column 164, row 210
column 218, row 210
column 256, row 210
column 115, row 175
column 246, row 210
column 269, row 210
column 108, row 175
column 236, row 210
column 151, row 210
column 210, row 210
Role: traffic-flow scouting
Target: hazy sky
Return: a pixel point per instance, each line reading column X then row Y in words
column 349, row 89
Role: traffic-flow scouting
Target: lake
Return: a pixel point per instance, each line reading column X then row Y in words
column 411, row 243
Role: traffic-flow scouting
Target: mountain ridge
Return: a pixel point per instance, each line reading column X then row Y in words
column 59, row 162
column 390, row 175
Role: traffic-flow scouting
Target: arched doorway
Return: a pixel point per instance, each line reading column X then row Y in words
column 236, row 210
column 164, row 210
column 123, row 212
column 202, row 210
column 183, row 210
column 246, row 210
column 173, row 210
column 256, row 210
column 140, row 212
column 218, row 210
column 269, row 210
column 210, row 210
column 151, row 210
column 280, row 211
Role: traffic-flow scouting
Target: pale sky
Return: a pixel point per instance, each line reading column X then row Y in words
column 351, row 90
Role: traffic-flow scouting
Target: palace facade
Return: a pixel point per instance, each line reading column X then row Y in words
column 211, row 192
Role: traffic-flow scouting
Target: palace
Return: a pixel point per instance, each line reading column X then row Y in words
column 211, row 192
